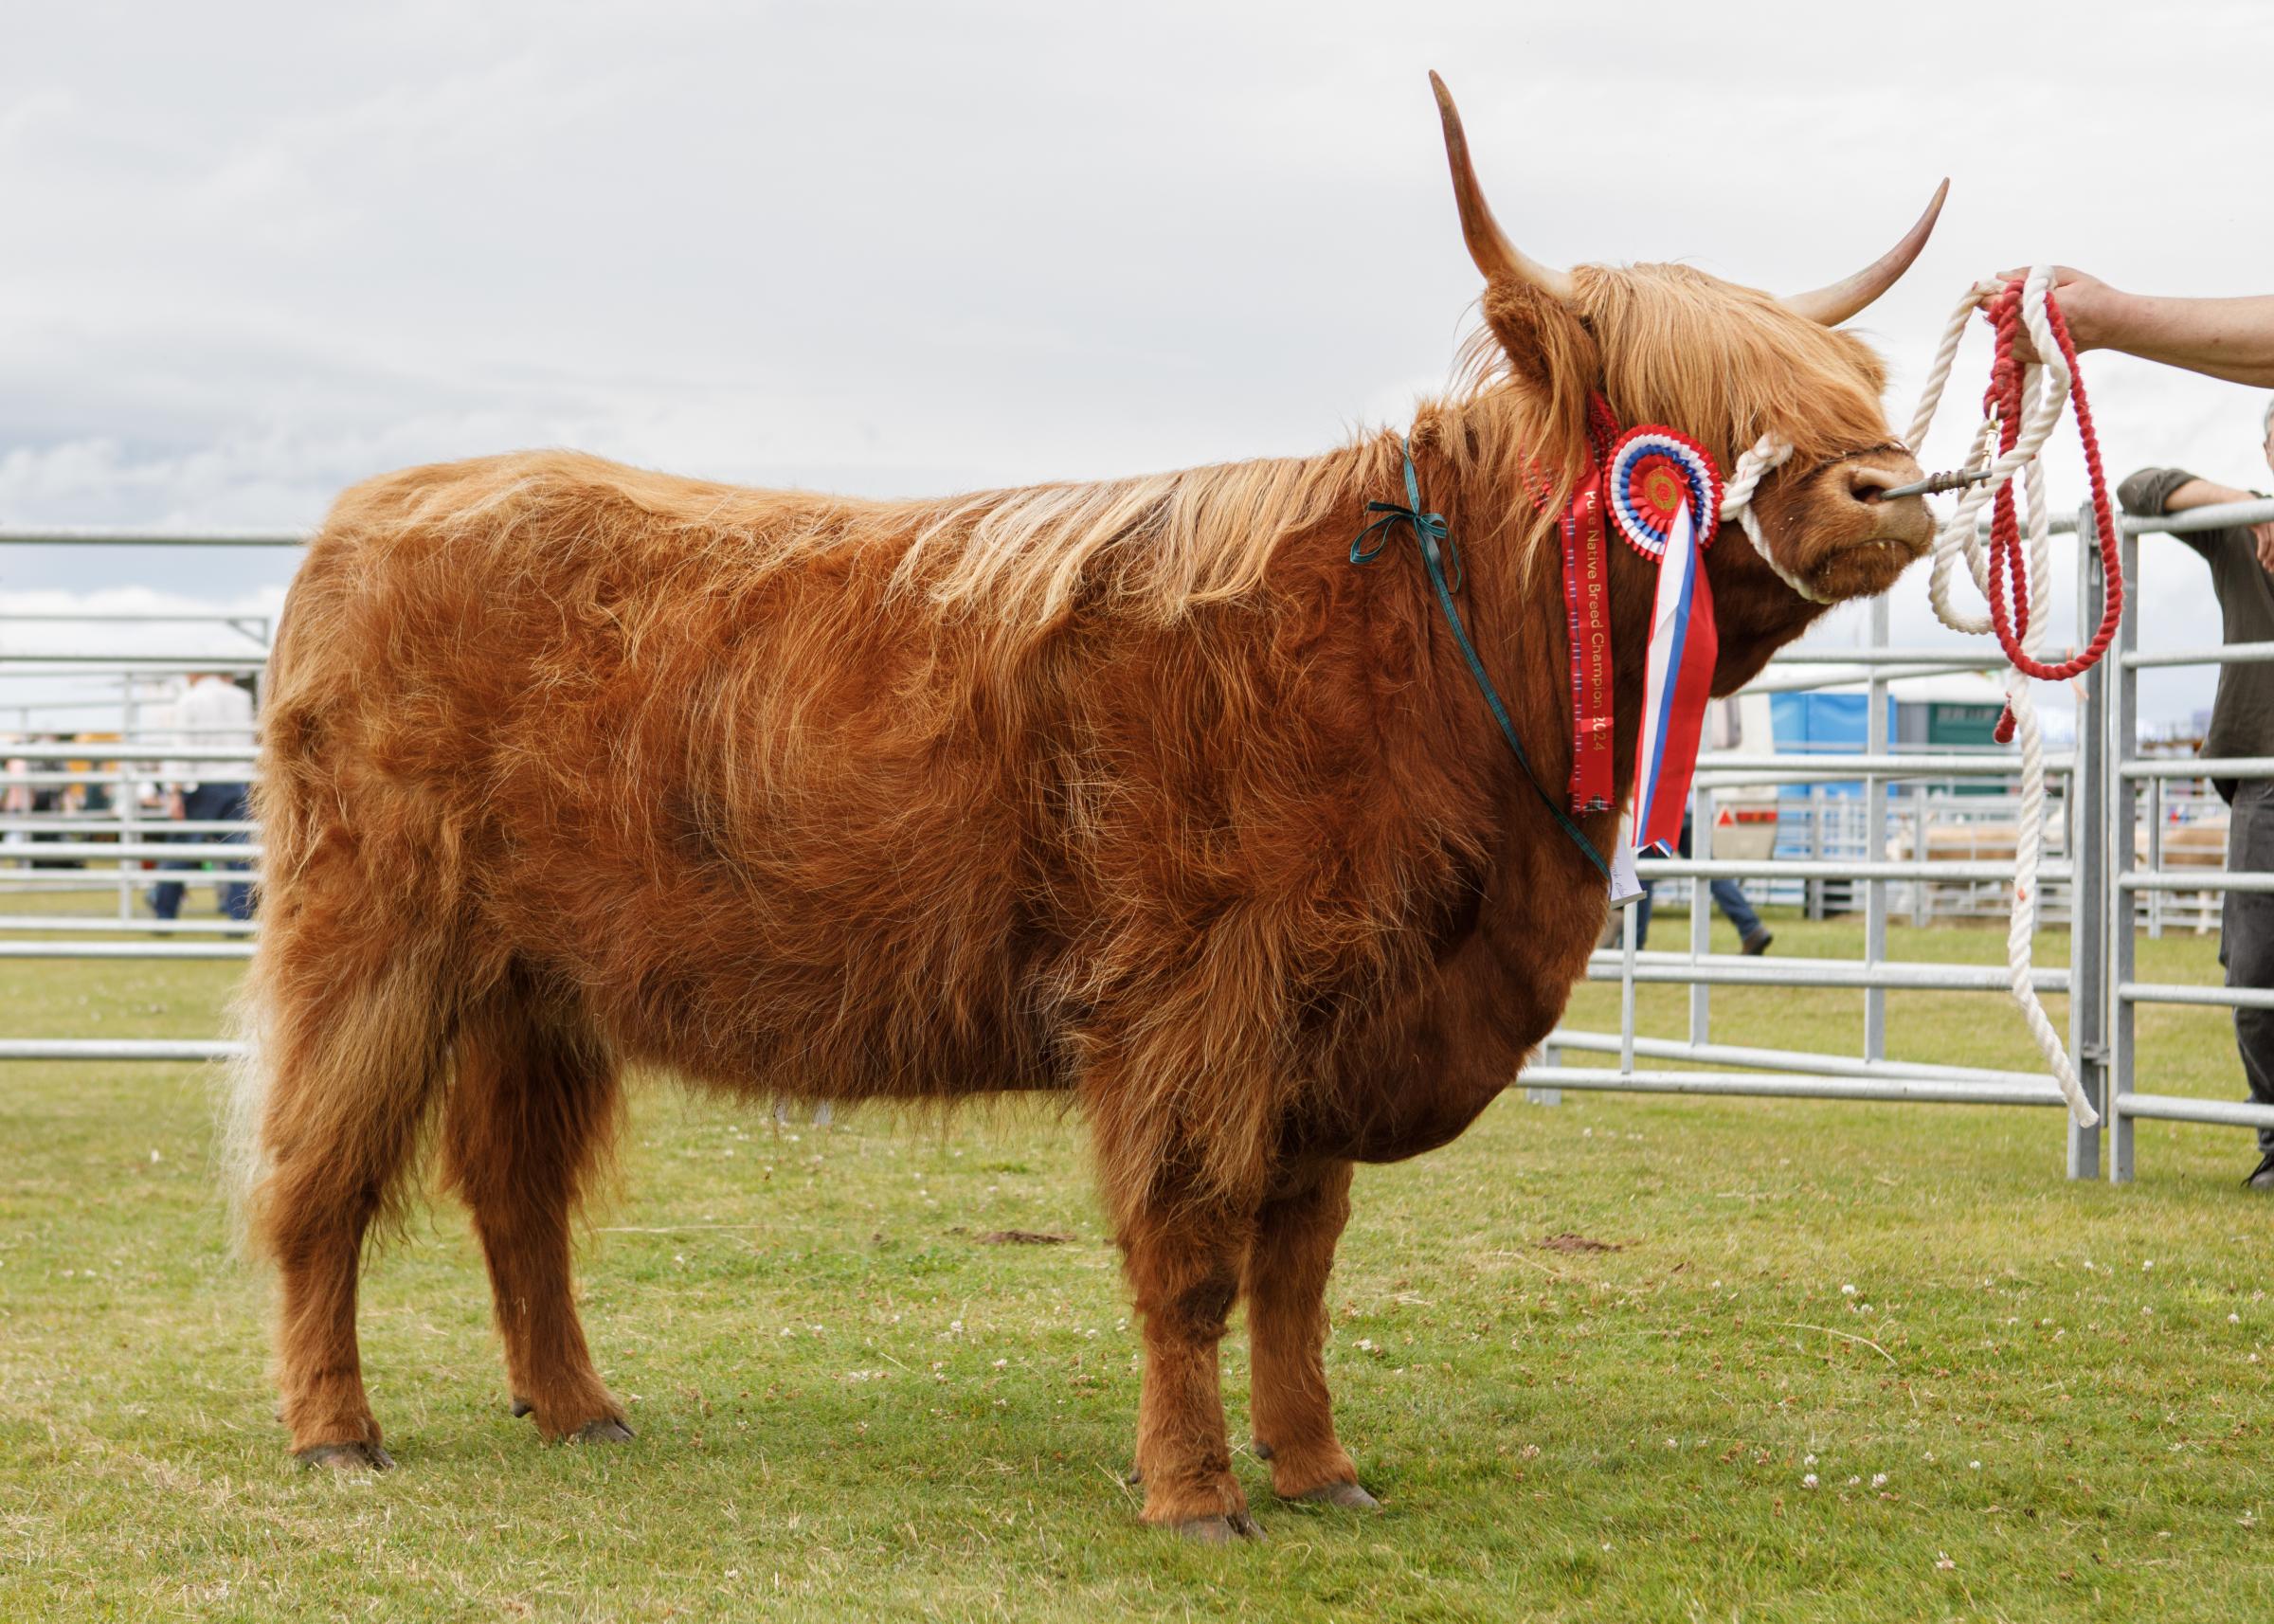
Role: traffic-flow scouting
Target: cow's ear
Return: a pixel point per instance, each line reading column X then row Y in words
column 1549, row 350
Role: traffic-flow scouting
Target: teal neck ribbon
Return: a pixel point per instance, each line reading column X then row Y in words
column 1443, row 560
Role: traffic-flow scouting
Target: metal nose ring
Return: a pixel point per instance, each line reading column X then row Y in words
column 1935, row 484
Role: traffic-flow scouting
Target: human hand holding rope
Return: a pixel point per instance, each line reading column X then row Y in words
column 2085, row 304
column 2230, row 338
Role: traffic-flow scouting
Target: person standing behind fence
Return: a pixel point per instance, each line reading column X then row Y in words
column 213, row 713
column 1752, row 936
column 2241, row 724
column 1724, row 731
column 2230, row 338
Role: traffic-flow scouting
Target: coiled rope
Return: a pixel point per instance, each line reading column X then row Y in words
column 2019, row 412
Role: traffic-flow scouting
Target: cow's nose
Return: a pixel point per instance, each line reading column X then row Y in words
column 1868, row 482
column 1906, row 519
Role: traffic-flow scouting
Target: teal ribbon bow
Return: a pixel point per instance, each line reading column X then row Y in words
column 1442, row 558
column 1435, row 541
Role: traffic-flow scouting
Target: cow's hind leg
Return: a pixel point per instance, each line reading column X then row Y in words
column 1286, row 1289
column 531, row 1111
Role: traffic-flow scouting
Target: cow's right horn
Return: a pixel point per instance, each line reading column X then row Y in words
column 1848, row 297
column 1496, row 257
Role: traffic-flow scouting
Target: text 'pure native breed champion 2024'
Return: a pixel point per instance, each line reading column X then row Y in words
column 1137, row 791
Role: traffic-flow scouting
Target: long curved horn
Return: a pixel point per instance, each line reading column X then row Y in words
column 1496, row 257
column 1836, row 302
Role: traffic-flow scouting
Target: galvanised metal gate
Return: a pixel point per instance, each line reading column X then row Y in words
column 110, row 697
column 2089, row 868
column 2096, row 824
column 2129, row 883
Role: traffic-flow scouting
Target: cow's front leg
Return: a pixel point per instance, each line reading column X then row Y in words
column 1183, row 1260
column 1285, row 1289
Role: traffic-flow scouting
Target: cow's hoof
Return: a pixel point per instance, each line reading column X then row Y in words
column 607, row 1429
column 1347, row 1495
column 346, row 1457
column 1220, row 1530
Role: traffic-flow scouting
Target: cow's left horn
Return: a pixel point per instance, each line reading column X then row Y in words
column 1836, row 303
column 1499, row 259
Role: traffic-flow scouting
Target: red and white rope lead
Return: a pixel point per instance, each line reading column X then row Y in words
column 2045, row 389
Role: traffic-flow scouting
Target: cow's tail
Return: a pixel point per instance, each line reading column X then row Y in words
column 244, row 1103
column 346, row 1050
column 342, row 1025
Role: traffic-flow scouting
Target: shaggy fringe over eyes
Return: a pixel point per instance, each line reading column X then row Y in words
column 1675, row 353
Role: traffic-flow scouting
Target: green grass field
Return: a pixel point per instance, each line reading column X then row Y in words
column 1859, row 1363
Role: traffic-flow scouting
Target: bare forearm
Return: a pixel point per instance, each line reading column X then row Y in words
column 2203, row 493
column 2230, row 338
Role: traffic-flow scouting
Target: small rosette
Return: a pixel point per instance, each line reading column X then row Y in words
column 1653, row 471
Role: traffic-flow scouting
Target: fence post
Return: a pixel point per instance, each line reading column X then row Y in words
column 1813, row 888
column 1875, row 840
column 1550, row 1054
column 1700, row 913
column 2087, row 802
column 1629, row 922
column 1923, row 903
column 2122, row 745
column 2154, row 898
column 126, row 794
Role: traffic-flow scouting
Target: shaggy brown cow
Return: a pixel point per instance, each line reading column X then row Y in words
column 1134, row 789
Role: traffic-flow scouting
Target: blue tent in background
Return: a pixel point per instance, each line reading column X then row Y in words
column 1824, row 724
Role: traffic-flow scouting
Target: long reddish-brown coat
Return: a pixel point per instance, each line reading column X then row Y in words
column 1142, row 791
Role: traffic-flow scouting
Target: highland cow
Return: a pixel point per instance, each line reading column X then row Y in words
column 1134, row 790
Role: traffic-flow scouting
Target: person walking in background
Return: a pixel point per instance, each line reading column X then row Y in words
column 53, row 802
column 1752, row 936
column 213, row 713
column 1724, row 731
column 2241, row 724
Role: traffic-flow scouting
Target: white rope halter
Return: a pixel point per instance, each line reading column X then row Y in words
column 1768, row 453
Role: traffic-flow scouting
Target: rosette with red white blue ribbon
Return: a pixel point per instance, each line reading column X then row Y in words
column 1677, row 681
column 1650, row 474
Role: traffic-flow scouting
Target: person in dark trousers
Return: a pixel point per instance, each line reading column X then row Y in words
column 212, row 711
column 2241, row 724
column 1751, row 934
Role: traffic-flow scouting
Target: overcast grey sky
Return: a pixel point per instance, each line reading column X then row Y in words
column 257, row 252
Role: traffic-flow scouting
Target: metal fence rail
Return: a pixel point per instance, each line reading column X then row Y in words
column 125, row 837
column 1896, row 1085
column 1871, row 1074
column 104, row 851
column 2119, row 720
column 2095, row 825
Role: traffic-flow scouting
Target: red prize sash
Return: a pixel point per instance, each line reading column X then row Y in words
column 1587, row 608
